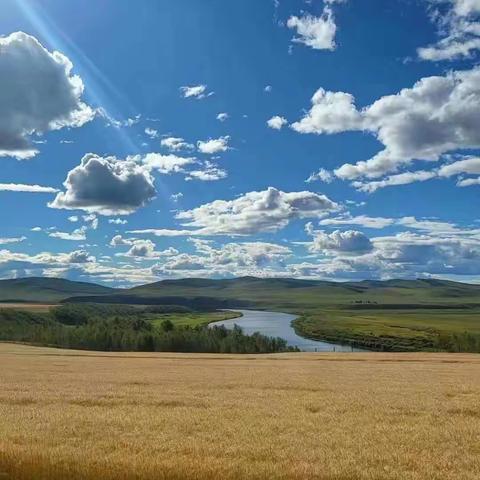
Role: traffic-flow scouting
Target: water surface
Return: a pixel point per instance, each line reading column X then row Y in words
column 275, row 324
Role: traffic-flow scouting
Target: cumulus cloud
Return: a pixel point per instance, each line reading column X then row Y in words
column 38, row 93
column 80, row 256
column 459, row 28
column 107, row 186
column 469, row 165
column 266, row 211
column 331, row 112
column 209, row 172
column 213, row 145
column 232, row 259
column 140, row 248
column 77, row 235
column 146, row 249
column 175, row 144
column 468, row 182
column 436, row 116
column 349, row 242
column 315, row 32
column 321, row 175
column 151, row 132
column 277, row 122
column 165, row 163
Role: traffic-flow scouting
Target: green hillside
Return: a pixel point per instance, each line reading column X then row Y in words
column 289, row 293
column 46, row 290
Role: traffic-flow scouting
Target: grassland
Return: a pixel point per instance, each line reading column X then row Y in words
column 389, row 329
column 375, row 416
column 192, row 319
column 33, row 307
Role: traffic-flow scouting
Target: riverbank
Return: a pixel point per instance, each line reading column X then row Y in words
column 280, row 325
column 398, row 329
column 162, row 416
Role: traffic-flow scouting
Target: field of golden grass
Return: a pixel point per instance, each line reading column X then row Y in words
column 69, row 415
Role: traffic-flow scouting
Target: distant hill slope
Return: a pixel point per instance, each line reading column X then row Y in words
column 262, row 292
column 48, row 290
column 288, row 292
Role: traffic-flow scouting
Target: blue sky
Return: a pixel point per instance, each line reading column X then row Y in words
column 330, row 139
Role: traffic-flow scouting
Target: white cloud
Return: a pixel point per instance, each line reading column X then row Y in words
column 107, row 186
column 38, row 94
column 20, row 187
column 175, row 197
column 164, row 232
column 331, row 112
column 209, row 172
column 459, row 28
column 232, row 259
column 254, row 212
column 468, row 182
column 394, row 180
column 146, row 249
column 321, row 175
column 315, row 32
column 360, row 220
column 77, row 235
column 348, row 242
column 175, row 144
column 469, row 165
column 140, row 248
column 165, row 164
column 223, row 116
column 213, row 145
column 117, row 221
column 277, row 122
column 151, row 132
column 436, row 116
column 4, row 241
column 196, row 91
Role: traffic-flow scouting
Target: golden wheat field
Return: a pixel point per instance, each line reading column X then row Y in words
column 83, row 415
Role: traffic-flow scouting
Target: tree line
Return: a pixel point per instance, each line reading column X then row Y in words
column 123, row 328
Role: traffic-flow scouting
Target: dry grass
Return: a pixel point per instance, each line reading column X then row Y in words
column 33, row 307
column 68, row 415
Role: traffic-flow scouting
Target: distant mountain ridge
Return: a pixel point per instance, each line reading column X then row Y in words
column 45, row 289
column 261, row 292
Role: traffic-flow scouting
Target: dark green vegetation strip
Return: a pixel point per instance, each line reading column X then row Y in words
column 126, row 328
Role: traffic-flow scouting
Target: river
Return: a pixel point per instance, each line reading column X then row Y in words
column 275, row 324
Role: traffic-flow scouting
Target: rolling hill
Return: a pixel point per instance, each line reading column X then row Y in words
column 291, row 293
column 286, row 293
column 46, row 290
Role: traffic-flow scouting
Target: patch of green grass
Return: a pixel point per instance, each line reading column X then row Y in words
column 192, row 319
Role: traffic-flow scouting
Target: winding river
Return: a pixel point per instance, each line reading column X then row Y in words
column 275, row 324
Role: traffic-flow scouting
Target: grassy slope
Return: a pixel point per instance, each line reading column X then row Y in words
column 295, row 294
column 47, row 290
